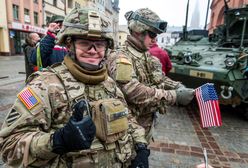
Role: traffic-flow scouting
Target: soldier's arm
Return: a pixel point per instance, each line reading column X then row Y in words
column 46, row 49
column 161, row 81
column 137, row 132
column 25, row 134
column 121, row 70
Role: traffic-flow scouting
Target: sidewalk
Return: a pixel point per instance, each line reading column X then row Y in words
column 12, row 69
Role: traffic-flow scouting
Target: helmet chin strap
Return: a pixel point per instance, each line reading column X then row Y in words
column 142, row 39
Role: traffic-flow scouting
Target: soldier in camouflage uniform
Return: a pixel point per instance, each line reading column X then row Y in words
column 73, row 114
column 139, row 75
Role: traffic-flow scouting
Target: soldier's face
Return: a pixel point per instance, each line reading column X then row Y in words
column 150, row 39
column 90, row 51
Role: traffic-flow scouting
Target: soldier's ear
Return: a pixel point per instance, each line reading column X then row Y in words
column 68, row 40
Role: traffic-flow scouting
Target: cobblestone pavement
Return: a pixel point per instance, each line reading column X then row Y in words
column 179, row 139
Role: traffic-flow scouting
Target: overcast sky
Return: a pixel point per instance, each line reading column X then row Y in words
column 172, row 11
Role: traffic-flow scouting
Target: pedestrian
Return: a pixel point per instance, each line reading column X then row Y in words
column 73, row 114
column 48, row 52
column 30, row 42
column 139, row 74
column 163, row 57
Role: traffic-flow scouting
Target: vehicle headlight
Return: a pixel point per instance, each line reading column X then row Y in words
column 230, row 62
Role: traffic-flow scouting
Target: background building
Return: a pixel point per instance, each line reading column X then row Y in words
column 122, row 35
column 217, row 11
column 23, row 17
column 4, row 38
column 18, row 18
column 52, row 7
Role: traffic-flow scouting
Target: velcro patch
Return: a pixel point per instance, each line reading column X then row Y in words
column 123, row 60
column 28, row 98
column 12, row 117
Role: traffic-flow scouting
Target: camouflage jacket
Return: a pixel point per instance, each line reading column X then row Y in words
column 25, row 134
column 140, row 78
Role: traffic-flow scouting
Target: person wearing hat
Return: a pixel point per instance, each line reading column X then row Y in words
column 47, row 51
column 73, row 114
column 140, row 75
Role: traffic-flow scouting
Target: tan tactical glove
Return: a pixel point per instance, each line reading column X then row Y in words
column 184, row 95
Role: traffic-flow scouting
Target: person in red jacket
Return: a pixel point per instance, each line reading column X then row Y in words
column 163, row 56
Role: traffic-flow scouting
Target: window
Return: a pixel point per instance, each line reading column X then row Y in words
column 70, row 2
column 36, row 1
column 36, row 16
column 16, row 12
column 26, row 15
column 119, row 37
column 48, row 18
column 54, row 2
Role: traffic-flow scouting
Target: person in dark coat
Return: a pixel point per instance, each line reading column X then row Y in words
column 50, row 53
column 30, row 42
column 163, row 57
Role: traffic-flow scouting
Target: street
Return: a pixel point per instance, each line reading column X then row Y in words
column 178, row 140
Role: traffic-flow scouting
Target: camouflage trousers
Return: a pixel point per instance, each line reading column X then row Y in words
column 147, row 121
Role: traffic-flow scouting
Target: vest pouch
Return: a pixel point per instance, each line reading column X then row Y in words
column 110, row 118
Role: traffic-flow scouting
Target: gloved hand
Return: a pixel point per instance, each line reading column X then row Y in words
column 180, row 86
column 77, row 134
column 141, row 159
column 184, row 95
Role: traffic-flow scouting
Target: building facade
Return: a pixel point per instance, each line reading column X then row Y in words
column 217, row 11
column 21, row 17
column 52, row 7
column 122, row 35
column 4, row 38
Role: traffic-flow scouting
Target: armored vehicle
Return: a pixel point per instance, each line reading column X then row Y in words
column 219, row 58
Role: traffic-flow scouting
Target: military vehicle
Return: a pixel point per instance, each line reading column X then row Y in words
column 220, row 58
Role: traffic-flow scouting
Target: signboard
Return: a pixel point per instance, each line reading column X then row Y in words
column 27, row 18
column 29, row 28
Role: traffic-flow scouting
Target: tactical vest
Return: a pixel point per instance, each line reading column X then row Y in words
column 107, row 111
column 147, row 68
column 148, row 71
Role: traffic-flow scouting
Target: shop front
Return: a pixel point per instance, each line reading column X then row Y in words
column 17, row 34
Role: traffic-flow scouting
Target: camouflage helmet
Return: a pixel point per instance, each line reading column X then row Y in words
column 87, row 23
column 145, row 20
column 55, row 18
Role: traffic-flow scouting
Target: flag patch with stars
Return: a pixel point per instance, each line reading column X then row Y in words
column 28, row 98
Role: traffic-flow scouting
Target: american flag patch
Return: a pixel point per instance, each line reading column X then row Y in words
column 208, row 103
column 28, row 98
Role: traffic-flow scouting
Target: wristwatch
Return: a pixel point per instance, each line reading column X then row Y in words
column 140, row 146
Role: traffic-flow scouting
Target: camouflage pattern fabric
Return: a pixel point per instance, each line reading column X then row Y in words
column 138, row 26
column 25, row 134
column 78, row 23
column 148, row 90
column 55, row 18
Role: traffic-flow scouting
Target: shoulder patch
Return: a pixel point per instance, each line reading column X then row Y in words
column 12, row 117
column 123, row 70
column 28, row 98
column 123, row 60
